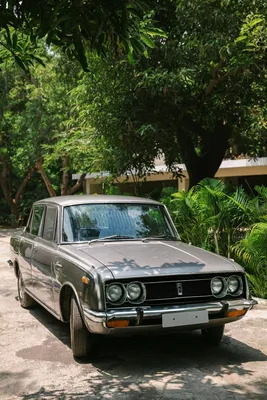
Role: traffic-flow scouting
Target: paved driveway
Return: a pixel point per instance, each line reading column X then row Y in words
column 36, row 361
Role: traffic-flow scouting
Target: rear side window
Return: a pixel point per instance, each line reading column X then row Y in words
column 37, row 217
column 50, row 223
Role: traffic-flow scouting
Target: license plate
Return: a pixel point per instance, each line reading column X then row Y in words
column 184, row 318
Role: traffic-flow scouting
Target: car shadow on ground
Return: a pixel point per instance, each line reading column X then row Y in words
column 179, row 366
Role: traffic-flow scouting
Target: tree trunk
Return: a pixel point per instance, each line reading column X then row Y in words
column 203, row 167
column 46, row 180
column 13, row 201
column 77, row 185
column 213, row 148
column 65, row 176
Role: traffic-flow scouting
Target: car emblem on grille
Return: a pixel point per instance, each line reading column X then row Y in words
column 179, row 288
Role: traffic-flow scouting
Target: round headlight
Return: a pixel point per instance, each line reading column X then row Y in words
column 218, row 287
column 234, row 285
column 136, row 292
column 115, row 293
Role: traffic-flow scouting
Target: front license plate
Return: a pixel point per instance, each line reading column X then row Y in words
column 184, row 318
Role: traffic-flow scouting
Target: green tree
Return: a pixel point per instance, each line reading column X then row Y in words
column 199, row 92
column 119, row 26
column 38, row 130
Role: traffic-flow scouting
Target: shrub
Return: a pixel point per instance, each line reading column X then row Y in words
column 219, row 218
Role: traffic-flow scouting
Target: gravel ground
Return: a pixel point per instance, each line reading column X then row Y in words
column 36, row 361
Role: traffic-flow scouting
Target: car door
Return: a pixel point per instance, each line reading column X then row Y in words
column 28, row 242
column 43, row 256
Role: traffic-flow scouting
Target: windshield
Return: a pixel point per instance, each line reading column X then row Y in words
column 87, row 222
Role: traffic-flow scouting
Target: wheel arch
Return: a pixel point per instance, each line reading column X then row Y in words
column 16, row 268
column 66, row 292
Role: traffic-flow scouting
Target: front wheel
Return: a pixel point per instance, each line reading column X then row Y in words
column 213, row 335
column 79, row 336
column 26, row 301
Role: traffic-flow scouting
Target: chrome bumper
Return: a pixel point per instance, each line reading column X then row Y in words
column 96, row 320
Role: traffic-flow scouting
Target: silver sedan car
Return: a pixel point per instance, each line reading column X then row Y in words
column 111, row 265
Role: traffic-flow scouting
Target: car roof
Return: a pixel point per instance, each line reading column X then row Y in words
column 94, row 199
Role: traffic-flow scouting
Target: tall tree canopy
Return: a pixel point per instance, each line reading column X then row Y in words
column 200, row 90
column 39, row 131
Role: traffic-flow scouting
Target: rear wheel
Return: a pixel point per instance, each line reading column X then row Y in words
column 80, row 338
column 213, row 335
column 26, row 301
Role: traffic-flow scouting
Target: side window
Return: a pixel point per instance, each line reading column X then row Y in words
column 50, row 223
column 37, row 220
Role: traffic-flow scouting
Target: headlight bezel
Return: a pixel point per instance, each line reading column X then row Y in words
column 240, row 288
column 121, row 300
column 125, row 297
column 223, row 291
column 142, row 296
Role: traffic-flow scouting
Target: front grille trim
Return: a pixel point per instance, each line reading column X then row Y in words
column 172, row 280
column 180, row 297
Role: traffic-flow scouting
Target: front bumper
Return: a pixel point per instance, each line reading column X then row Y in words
column 149, row 318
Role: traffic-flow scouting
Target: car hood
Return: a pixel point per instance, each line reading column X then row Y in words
column 139, row 259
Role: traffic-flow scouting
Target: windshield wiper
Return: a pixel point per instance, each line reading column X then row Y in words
column 156, row 237
column 112, row 237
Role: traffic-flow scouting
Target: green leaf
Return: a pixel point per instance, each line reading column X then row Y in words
column 147, row 40
column 255, row 22
column 20, row 63
column 156, row 32
column 241, row 38
column 130, row 57
column 15, row 39
column 39, row 60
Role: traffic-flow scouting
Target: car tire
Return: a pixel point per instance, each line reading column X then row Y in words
column 79, row 335
column 213, row 335
column 26, row 301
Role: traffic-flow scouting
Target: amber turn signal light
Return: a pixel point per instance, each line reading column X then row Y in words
column 118, row 324
column 236, row 313
column 85, row 280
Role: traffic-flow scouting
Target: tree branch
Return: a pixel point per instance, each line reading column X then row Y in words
column 23, row 185
column 51, row 190
column 78, row 184
column 65, row 176
column 3, row 180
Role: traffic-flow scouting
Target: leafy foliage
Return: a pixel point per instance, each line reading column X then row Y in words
column 228, row 221
column 199, row 92
column 252, row 253
column 119, row 26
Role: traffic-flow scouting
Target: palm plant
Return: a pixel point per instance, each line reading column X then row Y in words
column 251, row 252
column 230, row 222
